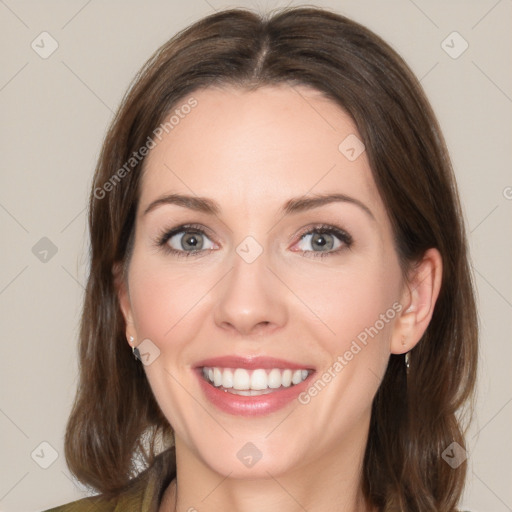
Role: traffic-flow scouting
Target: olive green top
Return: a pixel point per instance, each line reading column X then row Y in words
column 144, row 493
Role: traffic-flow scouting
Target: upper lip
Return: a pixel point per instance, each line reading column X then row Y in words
column 251, row 363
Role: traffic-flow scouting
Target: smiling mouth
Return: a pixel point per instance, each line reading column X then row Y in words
column 239, row 381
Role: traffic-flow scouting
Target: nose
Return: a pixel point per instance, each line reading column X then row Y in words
column 250, row 300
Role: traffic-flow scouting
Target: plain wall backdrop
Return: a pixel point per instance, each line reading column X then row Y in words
column 65, row 67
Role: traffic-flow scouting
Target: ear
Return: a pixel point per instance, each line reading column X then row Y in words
column 418, row 300
column 123, row 295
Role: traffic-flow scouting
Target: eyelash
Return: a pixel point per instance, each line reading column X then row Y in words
column 162, row 239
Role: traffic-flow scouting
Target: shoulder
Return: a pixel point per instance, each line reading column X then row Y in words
column 137, row 499
column 85, row 505
column 143, row 493
column 130, row 500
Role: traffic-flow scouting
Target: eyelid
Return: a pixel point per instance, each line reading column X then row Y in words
column 162, row 238
column 325, row 228
column 342, row 235
column 166, row 234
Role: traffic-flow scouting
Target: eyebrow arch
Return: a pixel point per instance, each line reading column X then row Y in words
column 196, row 203
column 293, row 205
column 299, row 204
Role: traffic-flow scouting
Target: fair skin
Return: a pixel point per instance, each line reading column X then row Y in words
column 251, row 152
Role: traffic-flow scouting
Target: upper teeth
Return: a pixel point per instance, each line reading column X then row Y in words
column 260, row 379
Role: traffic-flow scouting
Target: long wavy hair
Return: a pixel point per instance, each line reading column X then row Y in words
column 415, row 416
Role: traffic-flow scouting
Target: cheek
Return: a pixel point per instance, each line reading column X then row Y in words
column 359, row 307
column 353, row 304
column 164, row 300
column 165, row 306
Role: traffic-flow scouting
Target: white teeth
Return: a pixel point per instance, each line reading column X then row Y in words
column 274, row 378
column 249, row 392
column 259, row 380
column 227, row 378
column 297, row 377
column 241, row 379
column 217, row 377
column 286, row 378
column 256, row 382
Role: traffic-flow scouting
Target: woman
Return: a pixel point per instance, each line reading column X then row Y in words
column 276, row 232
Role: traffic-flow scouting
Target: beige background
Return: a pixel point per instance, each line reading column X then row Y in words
column 54, row 114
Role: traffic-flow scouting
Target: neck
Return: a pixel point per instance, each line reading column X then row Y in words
column 330, row 483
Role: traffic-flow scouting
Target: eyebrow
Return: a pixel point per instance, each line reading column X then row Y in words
column 293, row 205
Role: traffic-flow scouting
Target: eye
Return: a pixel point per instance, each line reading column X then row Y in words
column 189, row 241
column 192, row 240
column 324, row 240
column 185, row 241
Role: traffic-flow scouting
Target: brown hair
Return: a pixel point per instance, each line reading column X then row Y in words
column 414, row 416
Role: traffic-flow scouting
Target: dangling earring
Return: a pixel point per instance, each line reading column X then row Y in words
column 407, row 356
column 135, row 350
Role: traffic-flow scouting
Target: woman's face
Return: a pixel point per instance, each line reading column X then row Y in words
column 287, row 303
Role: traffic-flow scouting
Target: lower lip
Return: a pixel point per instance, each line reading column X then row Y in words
column 251, row 405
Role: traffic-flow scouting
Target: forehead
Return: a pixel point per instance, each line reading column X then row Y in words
column 255, row 149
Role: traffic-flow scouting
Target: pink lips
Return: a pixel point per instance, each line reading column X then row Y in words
column 250, row 405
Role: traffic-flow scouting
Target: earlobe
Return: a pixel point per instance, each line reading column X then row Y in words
column 419, row 299
column 123, row 297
